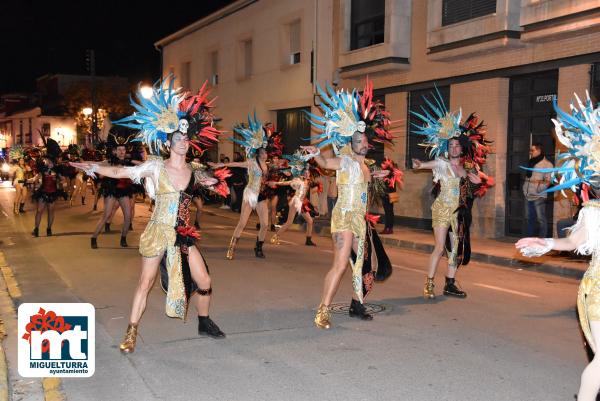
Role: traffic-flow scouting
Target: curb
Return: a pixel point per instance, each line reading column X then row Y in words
column 501, row 261
column 51, row 385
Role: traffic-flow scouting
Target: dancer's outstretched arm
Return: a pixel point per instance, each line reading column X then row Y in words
column 419, row 165
column 573, row 241
column 328, row 163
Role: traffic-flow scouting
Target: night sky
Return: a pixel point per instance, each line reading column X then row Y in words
column 41, row 37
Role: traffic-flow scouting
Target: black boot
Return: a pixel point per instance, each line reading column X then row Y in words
column 83, row 200
column 450, row 289
column 273, row 227
column 309, row 242
column 36, row 232
column 130, row 226
column 94, row 243
column 359, row 311
column 49, row 232
column 95, row 207
column 106, row 227
column 197, row 225
column 206, row 327
column 124, row 242
column 258, row 252
column 21, row 207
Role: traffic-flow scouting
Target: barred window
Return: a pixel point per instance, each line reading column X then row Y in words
column 454, row 11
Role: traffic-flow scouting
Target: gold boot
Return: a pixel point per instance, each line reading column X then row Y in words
column 322, row 317
column 16, row 208
column 231, row 249
column 275, row 239
column 428, row 289
column 128, row 344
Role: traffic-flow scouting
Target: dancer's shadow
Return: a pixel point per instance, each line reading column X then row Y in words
column 71, row 234
column 397, row 306
column 570, row 313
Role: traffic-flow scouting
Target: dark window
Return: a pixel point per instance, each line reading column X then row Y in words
column 416, row 103
column 295, row 127
column 454, row 11
column 367, row 23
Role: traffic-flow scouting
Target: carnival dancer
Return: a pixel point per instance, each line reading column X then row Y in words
column 349, row 121
column 254, row 139
column 50, row 188
column 173, row 121
column 116, row 190
column 300, row 171
column 578, row 169
column 459, row 151
column 17, row 158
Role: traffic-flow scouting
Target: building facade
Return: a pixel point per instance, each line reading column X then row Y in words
column 507, row 60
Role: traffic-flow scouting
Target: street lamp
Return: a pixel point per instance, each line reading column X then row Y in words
column 146, row 91
column 87, row 111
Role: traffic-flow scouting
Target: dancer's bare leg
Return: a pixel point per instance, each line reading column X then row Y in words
column 309, row 223
column 202, row 280
column 290, row 220
column 145, row 283
column 244, row 216
column 590, row 378
column 342, row 245
column 439, row 234
column 262, row 209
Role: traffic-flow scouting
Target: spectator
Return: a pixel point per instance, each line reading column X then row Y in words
column 533, row 189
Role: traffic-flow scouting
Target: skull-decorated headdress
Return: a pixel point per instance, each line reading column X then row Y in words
column 169, row 110
column 345, row 113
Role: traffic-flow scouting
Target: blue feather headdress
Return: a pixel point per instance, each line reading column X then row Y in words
column 297, row 163
column 253, row 136
column 439, row 125
column 157, row 116
column 340, row 120
column 579, row 132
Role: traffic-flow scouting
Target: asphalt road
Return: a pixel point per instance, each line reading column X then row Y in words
column 515, row 337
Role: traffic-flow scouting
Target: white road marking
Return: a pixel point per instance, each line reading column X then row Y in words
column 410, row 269
column 492, row 287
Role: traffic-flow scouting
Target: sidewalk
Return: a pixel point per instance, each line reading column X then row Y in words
column 500, row 252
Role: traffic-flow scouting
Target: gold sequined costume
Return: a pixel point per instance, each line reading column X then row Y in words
column 443, row 210
column 160, row 235
column 350, row 210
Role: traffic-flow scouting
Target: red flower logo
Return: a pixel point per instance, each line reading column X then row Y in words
column 44, row 321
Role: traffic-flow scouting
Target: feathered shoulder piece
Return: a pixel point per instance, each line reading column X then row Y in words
column 579, row 132
column 253, row 136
